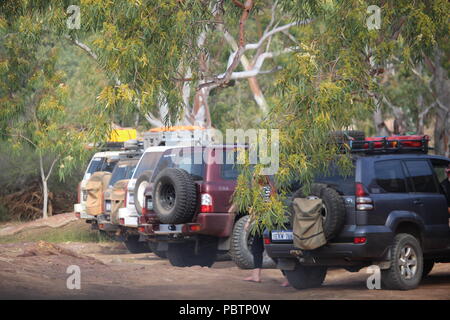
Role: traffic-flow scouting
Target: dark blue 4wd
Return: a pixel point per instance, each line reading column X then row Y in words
column 392, row 212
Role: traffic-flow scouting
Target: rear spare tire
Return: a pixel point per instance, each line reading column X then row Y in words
column 333, row 211
column 142, row 183
column 240, row 250
column 174, row 196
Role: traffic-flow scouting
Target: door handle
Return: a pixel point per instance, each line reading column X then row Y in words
column 418, row 202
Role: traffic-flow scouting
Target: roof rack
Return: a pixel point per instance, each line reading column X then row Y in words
column 394, row 144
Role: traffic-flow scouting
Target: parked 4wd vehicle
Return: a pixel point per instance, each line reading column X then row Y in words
column 188, row 212
column 114, row 196
column 390, row 212
column 101, row 161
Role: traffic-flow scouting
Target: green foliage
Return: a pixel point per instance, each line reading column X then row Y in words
column 330, row 83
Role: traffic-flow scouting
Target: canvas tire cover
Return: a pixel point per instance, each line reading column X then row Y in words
column 307, row 224
column 95, row 187
column 118, row 199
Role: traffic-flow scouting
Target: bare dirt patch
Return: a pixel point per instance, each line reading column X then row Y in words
column 38, row 270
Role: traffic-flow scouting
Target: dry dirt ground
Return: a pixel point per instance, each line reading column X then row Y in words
column 38, row 270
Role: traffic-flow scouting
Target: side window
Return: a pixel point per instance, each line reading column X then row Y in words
column 390, row 177
column 421, row 176
column 230, row 169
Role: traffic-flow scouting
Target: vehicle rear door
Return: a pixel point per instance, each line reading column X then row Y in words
column 430, row 203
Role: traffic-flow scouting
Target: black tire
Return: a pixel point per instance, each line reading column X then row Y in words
column 135, row 246
column 304, row 277
column 139, row 189
column 174, row 196
column 153, row 247
column 427, row 267
column 393, row 278
column 240, row 250
column 334, row 212
column 184, row 255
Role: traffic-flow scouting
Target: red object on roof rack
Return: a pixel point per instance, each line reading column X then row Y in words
column 410, row 143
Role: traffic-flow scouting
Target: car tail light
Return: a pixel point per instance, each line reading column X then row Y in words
column 359, row 240
column 191, row 227
column 194, row 227
column 363, row 201
column 267, row 241
column 141, row 229
column 206, row 203
column 101, row 226
column 130, row 197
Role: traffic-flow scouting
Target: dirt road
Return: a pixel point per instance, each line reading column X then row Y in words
column 38, row 271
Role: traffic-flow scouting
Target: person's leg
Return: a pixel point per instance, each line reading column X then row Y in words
column 257, row 251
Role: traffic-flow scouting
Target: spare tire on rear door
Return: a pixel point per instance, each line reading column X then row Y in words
column 333, row 211
column 174, row 196
column 142, row 183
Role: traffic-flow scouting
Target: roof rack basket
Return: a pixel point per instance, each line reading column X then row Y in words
column 394, row 144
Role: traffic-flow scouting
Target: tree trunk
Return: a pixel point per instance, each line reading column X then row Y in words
column 45, row 192
column 378, row 121
column 441, row 86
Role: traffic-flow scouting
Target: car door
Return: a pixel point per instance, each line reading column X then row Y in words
column 431, row 204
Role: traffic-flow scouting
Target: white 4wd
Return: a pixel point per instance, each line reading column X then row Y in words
column 101, row 161
column 129, row 216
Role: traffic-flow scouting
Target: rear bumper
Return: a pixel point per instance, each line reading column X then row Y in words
column 213, row 224
column 105, row 224
column 376, row 247
column 128, row 217
column 81, row 209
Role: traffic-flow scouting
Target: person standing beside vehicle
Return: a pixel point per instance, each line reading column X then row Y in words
column 257, row 250
column 445, row 184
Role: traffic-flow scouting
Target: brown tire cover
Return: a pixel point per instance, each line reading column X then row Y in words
column 117, row 197
column 96, row 185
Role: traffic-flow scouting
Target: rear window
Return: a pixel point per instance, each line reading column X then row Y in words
column 344, row 184
column 421, row 176
column 100, row 164
column 185, row 161
column 390, row 177
column 121, row 172
column 148, row 162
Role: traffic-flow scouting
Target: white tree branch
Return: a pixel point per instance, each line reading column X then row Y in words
column 267, row 35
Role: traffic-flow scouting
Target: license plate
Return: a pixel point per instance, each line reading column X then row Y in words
column 149, row 205
column 108, row 205
column 282, row 236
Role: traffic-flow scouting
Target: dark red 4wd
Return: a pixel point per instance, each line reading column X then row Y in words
column 188, row 211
